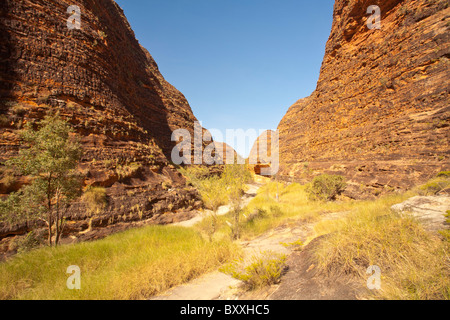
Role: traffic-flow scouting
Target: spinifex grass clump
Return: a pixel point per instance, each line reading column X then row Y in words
column 439, row 184
column 95, row 198
column 263, row 270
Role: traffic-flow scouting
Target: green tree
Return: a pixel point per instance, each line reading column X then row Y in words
column 235, row 177
column 50, row 161
column 326, row 187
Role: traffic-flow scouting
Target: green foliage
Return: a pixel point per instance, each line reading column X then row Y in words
column 18, row 110
column 445, row 174
column 219, row 190
column 8, row 178
column 326, row 187
column 26, row 243
column 446, row 232
column 195, row 173
column 102, row 34
column 49, row 160
column 128, row 171
column 95, row 199
column 263, row 271
column 258, row 213
column 435, row 186
column 296, row 245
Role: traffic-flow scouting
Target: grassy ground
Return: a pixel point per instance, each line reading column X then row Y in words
column 415, row 263
column 218, row 190
column 264, row 212
column 135, row 264
column 143, row 262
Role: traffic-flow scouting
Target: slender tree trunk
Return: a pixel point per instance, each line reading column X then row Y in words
column 50, row 225
column 58, row 218
column 50, row 209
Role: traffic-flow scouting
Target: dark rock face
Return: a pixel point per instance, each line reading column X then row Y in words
column 380, row 112
column 109, row 88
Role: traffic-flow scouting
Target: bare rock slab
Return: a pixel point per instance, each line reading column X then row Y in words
column 430, row 210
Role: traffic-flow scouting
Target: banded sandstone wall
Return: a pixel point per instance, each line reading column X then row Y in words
column 380, row 112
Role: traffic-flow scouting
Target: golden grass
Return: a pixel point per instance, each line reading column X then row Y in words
column 135, row 264
column 139, row 263
column 263, row 270
column 292, row 207
column 414, row 263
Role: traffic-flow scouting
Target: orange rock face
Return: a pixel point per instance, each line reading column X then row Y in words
column 260, row 157
column 380, row 112
column 109, row 88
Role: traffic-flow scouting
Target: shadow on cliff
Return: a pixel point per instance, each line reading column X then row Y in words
column 8, row 76
column 133, row 76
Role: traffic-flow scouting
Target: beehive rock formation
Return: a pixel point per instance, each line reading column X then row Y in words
column 380, row 112
column 109, row 88
column 260, row 157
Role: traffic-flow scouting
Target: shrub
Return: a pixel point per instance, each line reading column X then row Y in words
column 276, row 211
column 26, row 243
column 128, row 171
column 95, row 199
column 8, row 179
column 50, row 161
column 42, row 99
column 445, row 174
column 446, row 232
column 414, row 262
column 326, row 187
column 18, row 110
column 4, row 120
column 434, row 186
column 296, row 245
column 218, row 190
column 263, row 271
column 258, row 213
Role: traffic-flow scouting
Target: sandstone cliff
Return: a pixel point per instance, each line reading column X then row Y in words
column 260, row 156
column 380, row 112
column 109, row 88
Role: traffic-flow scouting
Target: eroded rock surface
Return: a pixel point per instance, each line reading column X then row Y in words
column 429, row 210
column 380, row 112
column 108, row 87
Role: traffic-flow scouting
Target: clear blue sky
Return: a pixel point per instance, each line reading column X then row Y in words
column 240, row 63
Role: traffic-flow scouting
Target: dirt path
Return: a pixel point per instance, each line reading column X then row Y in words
column 219, row 286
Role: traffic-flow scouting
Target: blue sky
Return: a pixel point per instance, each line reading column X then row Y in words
column 240, row 63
